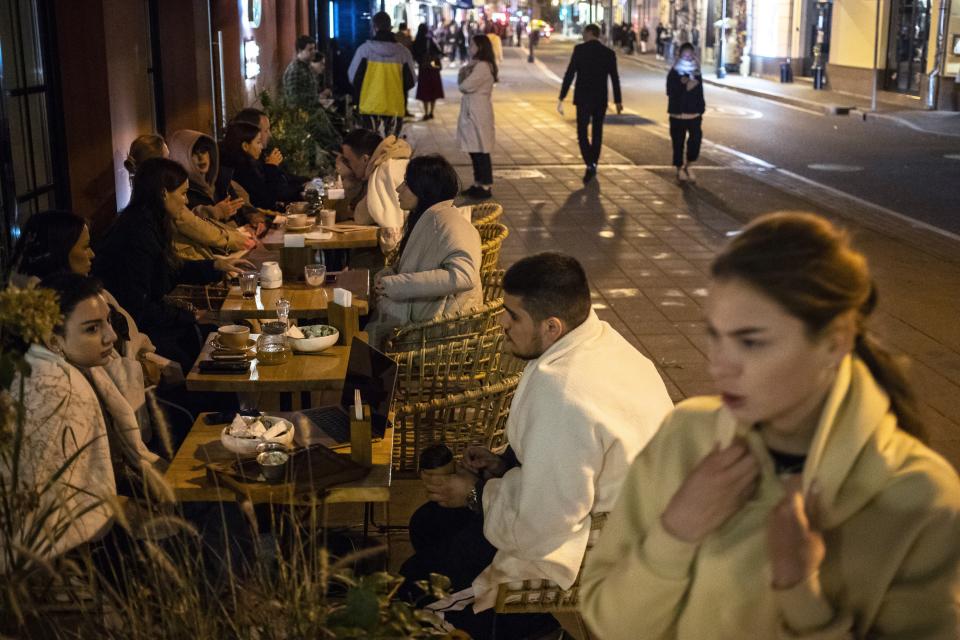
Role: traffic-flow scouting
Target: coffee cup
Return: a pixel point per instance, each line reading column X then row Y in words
column 328, row 217
column 234, row 336
column 297, row 220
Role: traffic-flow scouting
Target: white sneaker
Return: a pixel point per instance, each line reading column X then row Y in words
column 689, row 174
column 680, row 177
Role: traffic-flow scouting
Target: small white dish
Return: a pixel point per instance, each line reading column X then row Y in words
column 319, row 235
column 314, row 345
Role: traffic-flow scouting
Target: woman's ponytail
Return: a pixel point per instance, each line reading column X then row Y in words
column 890, row 372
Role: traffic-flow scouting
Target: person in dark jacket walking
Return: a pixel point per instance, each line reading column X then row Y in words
column 591, row 63
column 685, row 106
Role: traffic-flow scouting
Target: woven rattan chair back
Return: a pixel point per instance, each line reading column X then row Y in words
column 491, row 239
column 545, row 596
column 485, row 213
column 447, row 368
column 492, row 282
column 475, row 416
column 460, row 326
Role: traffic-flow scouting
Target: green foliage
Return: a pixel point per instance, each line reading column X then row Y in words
column 307, row 139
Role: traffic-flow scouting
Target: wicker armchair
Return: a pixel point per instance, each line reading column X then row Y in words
column 433, row 372
column 476, row 416
column 545, row 596
column 461, row 326
column 485, row 213
column 491, row 237
column 492, row 282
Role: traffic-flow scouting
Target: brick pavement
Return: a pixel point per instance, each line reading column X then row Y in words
column 646, row 243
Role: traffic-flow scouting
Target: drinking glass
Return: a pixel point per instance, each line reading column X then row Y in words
column 248, row 284
column 283, row 310
column 315, row 274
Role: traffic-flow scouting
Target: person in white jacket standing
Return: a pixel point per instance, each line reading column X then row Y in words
column 587, row 404
column 475, row 127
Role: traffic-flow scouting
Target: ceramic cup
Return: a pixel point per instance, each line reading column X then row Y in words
column 297, row 220
column 328, row 217
column 233, row 336
column 270, row 275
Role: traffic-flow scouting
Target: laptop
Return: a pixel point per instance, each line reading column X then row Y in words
column 375, row 376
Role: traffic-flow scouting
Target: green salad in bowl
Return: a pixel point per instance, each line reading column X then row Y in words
column 313, row 338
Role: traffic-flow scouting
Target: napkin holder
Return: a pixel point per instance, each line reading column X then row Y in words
column 346, row 319
column 361, row 437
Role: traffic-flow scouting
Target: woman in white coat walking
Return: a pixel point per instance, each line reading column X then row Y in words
column 475, row 128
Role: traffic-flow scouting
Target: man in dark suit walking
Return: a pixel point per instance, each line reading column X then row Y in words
column 591, row 63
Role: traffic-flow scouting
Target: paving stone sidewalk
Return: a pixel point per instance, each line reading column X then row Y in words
column 646, row 245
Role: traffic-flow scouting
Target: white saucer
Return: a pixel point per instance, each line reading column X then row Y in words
column 290, row 229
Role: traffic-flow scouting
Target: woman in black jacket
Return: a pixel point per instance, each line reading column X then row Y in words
column 135, row 259
column 240, row 161
column 686, row 107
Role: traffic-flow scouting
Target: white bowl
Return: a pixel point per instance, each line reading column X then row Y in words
column 314, row 345
column 248, row 446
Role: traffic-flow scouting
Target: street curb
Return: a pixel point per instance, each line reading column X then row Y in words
column 828, row 109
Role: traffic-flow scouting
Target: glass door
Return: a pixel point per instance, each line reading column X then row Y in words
column 907, row 45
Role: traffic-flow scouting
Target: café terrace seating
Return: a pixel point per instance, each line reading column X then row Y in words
column 485, row 213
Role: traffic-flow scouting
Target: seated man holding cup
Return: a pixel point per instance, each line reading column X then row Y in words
column 587, row 404
column 371, row 168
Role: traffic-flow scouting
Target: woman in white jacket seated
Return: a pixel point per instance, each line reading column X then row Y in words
column 64, row 426
column 437, row 272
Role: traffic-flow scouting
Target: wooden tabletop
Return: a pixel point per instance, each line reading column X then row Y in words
column 188, row 474
column 302, row 372
column 305, row 301
column 352, row 239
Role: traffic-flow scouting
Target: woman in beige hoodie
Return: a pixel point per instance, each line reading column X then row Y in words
column 801, row 502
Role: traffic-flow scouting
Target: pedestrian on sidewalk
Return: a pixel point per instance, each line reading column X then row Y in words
column 686, row 106
column 382, row 71
column 644, row 38
column 430, row 58
column 591, row 63
column 475, row 127
column 660, row 31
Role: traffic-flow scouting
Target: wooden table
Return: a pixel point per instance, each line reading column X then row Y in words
column 365, row 237
column 188, row 476
column 305, row 301
column 302, row 372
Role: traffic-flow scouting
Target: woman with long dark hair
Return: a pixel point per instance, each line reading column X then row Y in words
column 137, row 261
column 430, row 61
column 475, row 127
column 438, row 270
column 801, row 502
column 262, row 179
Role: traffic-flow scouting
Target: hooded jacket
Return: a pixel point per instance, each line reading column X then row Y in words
column 382, row 71
column 380, row 204
column 889, row 511
column 199, row 235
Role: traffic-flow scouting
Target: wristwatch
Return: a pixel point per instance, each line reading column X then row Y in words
column 473, row 500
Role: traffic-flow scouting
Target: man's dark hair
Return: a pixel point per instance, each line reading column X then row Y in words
column 381, row 21
column 550, row 285
column 250, row 115
column 363, row 141
column 303, row 42
column 593, row 30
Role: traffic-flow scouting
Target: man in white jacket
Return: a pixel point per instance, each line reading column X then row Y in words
column 587, row 404
column 372, row 168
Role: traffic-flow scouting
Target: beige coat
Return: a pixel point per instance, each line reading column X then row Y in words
column 438, row 273
column 196, row 238
column 475, row 127
column 889, row 509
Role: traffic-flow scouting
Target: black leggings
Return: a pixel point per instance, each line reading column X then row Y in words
column 482, row 168
column 679, row 129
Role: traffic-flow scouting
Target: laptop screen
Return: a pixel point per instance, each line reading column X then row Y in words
column 375, row 375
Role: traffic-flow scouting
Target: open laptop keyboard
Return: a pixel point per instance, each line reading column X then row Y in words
column 333, row 422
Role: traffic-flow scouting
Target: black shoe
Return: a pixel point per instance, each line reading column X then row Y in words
column 589, row 174
column 477, row 193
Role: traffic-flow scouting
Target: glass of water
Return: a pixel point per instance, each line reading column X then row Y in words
column 248, row 284
column 315, row 274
